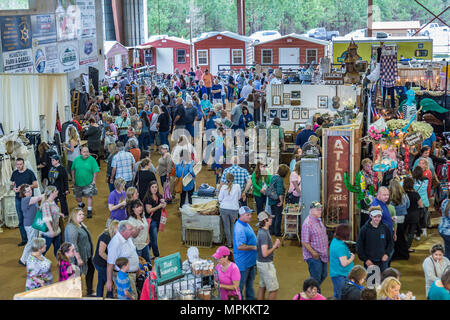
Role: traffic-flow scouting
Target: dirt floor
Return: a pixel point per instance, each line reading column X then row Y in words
column 291, row 269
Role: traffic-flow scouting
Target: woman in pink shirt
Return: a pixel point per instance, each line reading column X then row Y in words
column 198, row 74
column 310, row 291
column 229, row 275
column 294, row 185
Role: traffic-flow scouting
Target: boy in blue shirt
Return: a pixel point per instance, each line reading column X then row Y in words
column 123, row 280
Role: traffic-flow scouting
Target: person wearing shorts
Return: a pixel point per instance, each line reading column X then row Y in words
column 84, row 173
column 266, row 268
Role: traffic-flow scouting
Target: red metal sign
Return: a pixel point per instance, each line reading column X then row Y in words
column 338, row 162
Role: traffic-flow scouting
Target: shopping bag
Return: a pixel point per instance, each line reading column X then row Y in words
column 39, row 223
column 162, row 222
column 167, row 193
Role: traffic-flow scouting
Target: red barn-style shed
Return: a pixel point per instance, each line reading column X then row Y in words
column 291, row 48
column 216, row 48
column 168, row 53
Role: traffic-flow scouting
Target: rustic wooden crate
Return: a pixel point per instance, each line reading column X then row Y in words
column 198, row 237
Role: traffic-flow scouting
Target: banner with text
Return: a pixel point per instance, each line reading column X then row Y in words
column 338, row 162
column 68, row 56
column 88, row 52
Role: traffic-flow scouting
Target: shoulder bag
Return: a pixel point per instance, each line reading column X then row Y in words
column 178, row 187
column 271, row 191
column 39, row 223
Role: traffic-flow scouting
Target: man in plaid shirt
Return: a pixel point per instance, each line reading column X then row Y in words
column 315, row 243
column 241, row 177
column 122, row 165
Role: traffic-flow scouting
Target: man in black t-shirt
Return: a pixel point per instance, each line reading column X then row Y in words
column 19, row 177
column 57, row 177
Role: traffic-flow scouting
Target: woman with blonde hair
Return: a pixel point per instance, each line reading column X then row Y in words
column 229, row 206
column 77, row 233
column 153, row 126
column 72, row 148
column 390, row 290
column 399, row 199
column 132, row 194
column 101, row 257
column 51, row 215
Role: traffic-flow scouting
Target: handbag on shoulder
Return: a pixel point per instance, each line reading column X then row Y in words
column 39, row 223
column 178, row 187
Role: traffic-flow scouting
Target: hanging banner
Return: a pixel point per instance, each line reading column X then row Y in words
column 15, row 33
column 68, row 56
column 338, row 162
column 67, row 21
column 20, row 61
column 45, row 58
column 43, row 29
column 88, row 52
column 87, row 18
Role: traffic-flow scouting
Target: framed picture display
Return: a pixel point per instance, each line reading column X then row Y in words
column 276, row 100
column 304, row 114
column 273, row 113
column 284, row 114
column 295, row 102
column 297, row 125
column 296, row 114
column 322, row 102
column 296, row 95
column 286, row 98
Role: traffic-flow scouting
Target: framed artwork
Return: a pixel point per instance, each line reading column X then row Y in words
column 295, row 102
column 286, row 98
column 295, row 94
column 273, row 113
column 297, row 125
column 284, row 114
column 322, row 102
column 276, row 100
column 304, row 114
column 296, row 114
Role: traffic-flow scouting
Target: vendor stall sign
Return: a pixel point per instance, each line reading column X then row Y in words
column 168, row 268
column 333, row 78
column 45, row 58
column 338, row 162
column 413, row 138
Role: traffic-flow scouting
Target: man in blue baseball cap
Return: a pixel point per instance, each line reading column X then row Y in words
column 245, row 252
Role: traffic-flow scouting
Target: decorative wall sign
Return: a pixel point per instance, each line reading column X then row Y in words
column 413, row 138
column 304, row 113
column 276, row 100
column 286, row 98
column 296, row 114
column 322, row 102
column 284, row 114
column 334, row 78
column 296, row 94
column 273, row 113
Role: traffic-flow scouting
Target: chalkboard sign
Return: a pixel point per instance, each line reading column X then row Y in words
column 413, row 138
column 168, row 268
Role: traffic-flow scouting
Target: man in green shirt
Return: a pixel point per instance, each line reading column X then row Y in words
column 84, row 173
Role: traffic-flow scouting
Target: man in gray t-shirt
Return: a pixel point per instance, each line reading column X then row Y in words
column 236, row 113
column 264, row 263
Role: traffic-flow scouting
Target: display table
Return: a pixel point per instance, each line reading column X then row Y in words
column 199, row 221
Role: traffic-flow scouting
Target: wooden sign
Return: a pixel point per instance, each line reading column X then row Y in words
column 338, row 162
column 413, row 138
column 168, row 268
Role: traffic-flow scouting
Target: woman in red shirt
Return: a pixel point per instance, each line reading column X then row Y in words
column 423, row 163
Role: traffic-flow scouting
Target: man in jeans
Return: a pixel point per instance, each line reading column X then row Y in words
column 315, row 243
column 19, row 177
column 244, row 251
column 267, row 272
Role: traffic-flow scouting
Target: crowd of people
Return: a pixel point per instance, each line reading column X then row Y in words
column 124, row 133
